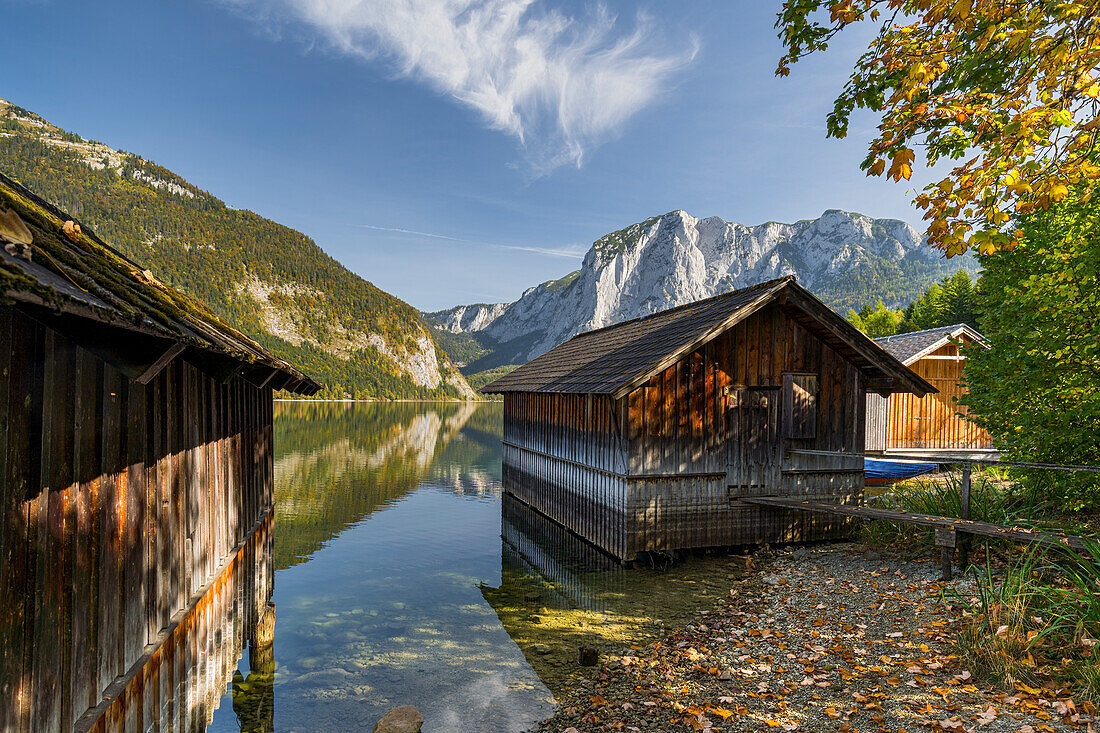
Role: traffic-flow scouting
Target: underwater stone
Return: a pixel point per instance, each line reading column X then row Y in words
column 405, row 719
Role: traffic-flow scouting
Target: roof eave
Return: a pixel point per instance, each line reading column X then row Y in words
column 947, row 337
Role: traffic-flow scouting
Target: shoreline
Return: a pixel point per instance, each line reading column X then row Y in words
column 813, row 638
column 383, row 402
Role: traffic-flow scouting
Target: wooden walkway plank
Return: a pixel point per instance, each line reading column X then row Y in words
column 985, row 529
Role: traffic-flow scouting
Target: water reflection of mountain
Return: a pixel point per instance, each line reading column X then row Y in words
column 336, row 463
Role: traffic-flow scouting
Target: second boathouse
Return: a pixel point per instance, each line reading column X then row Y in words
column 645, row 435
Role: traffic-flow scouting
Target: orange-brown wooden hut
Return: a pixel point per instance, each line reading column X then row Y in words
column 646, row 435
column 935, row 424
column 135, row 467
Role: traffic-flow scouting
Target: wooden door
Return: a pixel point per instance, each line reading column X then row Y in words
column 753, row 450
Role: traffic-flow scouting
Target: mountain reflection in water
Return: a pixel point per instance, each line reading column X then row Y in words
column 393, row 585
column 387, row 523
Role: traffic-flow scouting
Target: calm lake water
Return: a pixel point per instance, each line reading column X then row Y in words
column 393, row 584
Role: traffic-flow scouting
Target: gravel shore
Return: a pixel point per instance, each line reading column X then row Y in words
column 822, row 638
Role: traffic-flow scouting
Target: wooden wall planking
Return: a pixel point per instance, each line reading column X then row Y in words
column 118, row 501
column 933, row 422
column 178, row 685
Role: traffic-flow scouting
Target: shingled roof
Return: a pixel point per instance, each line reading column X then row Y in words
column 75, row 282
column 909, row 347
column 615, row 359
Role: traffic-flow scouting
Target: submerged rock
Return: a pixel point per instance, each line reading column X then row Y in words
column 405, row 719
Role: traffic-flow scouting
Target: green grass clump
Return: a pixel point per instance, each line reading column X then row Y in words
column 1038, row 620
column 992, row 499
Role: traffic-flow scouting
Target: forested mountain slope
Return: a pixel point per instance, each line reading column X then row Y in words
column 271, row 282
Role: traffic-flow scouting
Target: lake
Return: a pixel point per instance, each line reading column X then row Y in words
column 402, row 577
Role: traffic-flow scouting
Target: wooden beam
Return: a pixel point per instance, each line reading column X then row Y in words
column 259, row 376
column 138, row 356
column 158, row 365
column 950, row 459
column 879, row 385
column 220, row 368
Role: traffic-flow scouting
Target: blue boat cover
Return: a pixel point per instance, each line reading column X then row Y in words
column 895, row 469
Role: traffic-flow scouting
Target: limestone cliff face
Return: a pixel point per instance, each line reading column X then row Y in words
column 468, row 318
column 676, row 258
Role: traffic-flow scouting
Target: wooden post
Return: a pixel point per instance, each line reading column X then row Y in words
column 946, row 540
column 964, row 497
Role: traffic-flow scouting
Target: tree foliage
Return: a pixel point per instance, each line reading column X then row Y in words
column 877, row 321
column 1008, row 88
column 951, row 301
column 1037, row 391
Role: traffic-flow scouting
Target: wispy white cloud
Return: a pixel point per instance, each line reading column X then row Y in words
column 572, row 253
column 559, row 84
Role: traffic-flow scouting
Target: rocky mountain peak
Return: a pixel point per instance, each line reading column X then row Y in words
column 846, row 258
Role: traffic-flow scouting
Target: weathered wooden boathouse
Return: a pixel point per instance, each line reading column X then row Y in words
column 936, row 424
column 647, row 435
column 135, row 471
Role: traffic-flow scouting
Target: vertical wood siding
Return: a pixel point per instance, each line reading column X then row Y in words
column 118, row 503
column 935, row 421
column 563, row 456
column 178, row 685
column 695, row 510
column 876, row 423
column 672, row 480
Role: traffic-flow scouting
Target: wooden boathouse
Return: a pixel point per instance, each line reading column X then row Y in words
column 647, row 435
column 135, row 474
column 936, row 424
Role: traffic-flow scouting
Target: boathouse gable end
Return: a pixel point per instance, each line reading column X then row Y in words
column 136, row 472
column 717, row 391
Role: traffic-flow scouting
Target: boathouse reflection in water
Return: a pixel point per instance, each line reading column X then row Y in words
column 405, row 577
column 559, row 593
column 533, row 546
column 180, row 685
column 254, row 695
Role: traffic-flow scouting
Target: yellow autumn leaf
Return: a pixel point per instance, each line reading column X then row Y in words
column 902, row 165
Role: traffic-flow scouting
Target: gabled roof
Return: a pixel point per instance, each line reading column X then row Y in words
column 909, row 347
column 616, row 359
column 78, row 284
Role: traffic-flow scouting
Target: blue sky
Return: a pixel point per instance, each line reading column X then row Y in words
column 454, row 159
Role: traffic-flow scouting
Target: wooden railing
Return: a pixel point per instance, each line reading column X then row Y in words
column 951, row 533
